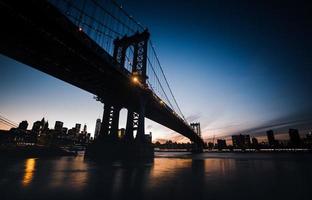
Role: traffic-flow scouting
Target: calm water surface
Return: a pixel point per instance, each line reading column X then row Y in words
column 169, row 176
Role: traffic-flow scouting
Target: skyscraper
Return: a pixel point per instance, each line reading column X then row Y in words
column 36, row 127
column 294, row 137
column 64, row 130
column 97, row 128
column 77, row 127
column 271, row 139
column 84, row 129
column 23, row 125
column 241, row 141
column 45, row 128
column 221, row 144
column 58, row 126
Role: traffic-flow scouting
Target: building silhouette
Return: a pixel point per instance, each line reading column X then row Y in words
column 45, row 128
column 241, row 141
column 294, row 137
column 23, row 125
column 64, row 130
column 254, row 143
column 308, row 140
column 148, row 137
column 271, row 138
column 221, row 144
column 58, row 126
column 77, row 128
column 36, row 128
column 84, row 129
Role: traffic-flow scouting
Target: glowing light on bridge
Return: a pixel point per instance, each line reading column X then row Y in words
column 135, row 79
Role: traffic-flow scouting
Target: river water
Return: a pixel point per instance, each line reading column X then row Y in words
column 170, row 176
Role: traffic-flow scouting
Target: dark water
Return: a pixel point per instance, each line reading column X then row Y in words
column 170, row 176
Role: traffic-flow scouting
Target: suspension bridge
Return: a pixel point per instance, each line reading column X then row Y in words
column 98, row 47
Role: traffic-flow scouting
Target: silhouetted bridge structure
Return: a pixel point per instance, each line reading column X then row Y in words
column 100, row 48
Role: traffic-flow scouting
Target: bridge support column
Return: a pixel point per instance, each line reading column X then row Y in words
column 140, row 137
column 130, row 126
column 110, row 122
column 115, row 122
column 105, row 122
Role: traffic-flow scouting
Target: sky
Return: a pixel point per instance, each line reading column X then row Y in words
column 234, row 66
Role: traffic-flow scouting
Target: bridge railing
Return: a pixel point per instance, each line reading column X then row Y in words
column 105, row 20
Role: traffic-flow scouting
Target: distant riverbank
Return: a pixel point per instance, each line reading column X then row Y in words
column 241, row 150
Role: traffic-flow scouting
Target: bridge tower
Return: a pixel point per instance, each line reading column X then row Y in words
column 139, row 42
column 135, row 120
column 196, row 128
column 197, row 148
column 108, row 144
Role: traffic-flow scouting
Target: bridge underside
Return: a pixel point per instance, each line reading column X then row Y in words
column 36, row 34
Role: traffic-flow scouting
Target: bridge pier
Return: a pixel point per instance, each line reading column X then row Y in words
column 110, row 121
column 114, row 123
column 110, row 146
column 105, row 122
column 130, row 126
column 140, row 137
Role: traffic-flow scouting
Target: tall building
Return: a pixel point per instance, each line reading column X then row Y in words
column 97, row 128
column 42, row 122
column 72, row 132
column 84, row 129
column 58, row 126
column 271, row 139
column 309, row 135
column 221, row 144
column 77, row 127
column 148, row 137
column 254, row 141
column 308, row 140
column 36, row 128
column 45, row 128
column 64, row 130
column 294, row 137
column 23, row 125
column 241, row 141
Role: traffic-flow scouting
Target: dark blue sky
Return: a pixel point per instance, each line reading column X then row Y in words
column 233, row 65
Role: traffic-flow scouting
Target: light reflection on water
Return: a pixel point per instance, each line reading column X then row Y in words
column 29, row 171
column 169, row 176
column 71, row 172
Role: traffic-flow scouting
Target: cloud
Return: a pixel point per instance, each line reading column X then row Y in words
column 193, row 117
column 301, row 120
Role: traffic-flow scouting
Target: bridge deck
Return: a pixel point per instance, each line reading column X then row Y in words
column 38, row 35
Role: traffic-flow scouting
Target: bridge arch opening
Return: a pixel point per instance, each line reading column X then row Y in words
column 123, row 118
column 129, row 58
column 122, row 121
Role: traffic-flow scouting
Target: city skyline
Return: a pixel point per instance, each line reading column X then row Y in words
column 232, row 80
column 41, row 128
